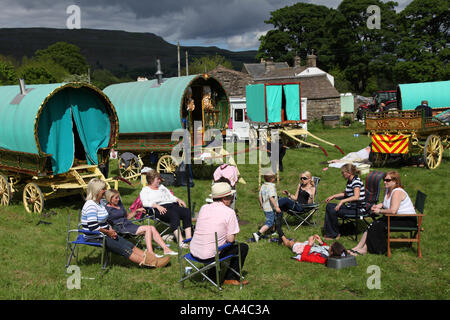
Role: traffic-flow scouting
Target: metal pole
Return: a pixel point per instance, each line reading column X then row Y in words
column 178, row 52
column 187, row 64
column 187, row 167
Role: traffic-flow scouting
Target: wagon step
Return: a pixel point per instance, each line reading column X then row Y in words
column 81, row 177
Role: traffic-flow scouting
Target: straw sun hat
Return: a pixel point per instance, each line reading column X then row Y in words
column 221, row 190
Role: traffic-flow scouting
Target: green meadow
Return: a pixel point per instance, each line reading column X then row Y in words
column 32, row 254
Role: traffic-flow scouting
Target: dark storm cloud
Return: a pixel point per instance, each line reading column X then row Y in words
column 233, row 23
column 199, row 18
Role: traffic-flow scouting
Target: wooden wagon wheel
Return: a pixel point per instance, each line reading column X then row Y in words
column 379, row 159
column 33, row 199
column 166, row 164
column 132, row 171
column 433, row 152
column 5, row 191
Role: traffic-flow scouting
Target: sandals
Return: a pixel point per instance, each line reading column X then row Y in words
column 355, row 253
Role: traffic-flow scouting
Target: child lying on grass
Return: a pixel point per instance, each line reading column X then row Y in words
column 310, row 252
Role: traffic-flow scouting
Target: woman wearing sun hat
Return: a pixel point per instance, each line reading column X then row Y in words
column 218, row 217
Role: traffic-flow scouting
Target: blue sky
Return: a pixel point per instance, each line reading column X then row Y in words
column 230, row 24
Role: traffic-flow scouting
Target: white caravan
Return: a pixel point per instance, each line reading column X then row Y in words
column 238, row 127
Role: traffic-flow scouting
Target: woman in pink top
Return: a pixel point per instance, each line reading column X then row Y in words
column 227, row 173
column 218, row 217
column 396, row 201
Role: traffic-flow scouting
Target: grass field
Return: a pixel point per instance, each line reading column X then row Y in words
column 32, row 255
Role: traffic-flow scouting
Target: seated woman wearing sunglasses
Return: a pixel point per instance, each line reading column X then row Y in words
column 396, row 201
column 304, row 194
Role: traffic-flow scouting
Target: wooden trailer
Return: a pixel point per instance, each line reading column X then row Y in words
column 278, row 107
column 407, row 133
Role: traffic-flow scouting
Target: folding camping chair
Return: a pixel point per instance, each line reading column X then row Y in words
column 414, row 232
column 137, row 239
column 150, row 214
column 372, row 195
column 72, row 246
column 308, row 209
column 200, row 268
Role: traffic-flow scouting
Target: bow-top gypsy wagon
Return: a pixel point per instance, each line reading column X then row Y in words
column 151, row 111
column 53, row 138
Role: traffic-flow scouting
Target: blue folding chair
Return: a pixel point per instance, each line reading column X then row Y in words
column 72, row 246
column 200, row 267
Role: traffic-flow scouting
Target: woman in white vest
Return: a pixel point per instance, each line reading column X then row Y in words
column 396, row 201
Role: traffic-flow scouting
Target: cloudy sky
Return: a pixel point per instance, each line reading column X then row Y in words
column 230, row 24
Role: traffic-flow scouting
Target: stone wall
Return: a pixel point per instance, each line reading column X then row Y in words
column 319, row 107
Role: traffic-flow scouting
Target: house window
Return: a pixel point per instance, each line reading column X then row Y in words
column 238, row 115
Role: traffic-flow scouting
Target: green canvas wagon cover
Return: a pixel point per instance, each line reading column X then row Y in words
column 437, row 94
column 150, row 111
column 274, row 102
column 56, row 122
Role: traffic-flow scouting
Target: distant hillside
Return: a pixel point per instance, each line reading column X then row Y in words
column 123, row 53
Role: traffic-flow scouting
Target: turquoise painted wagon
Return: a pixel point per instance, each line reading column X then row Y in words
column 280, row 106
column 53, row 138
column 150, row 111
column 437, row 93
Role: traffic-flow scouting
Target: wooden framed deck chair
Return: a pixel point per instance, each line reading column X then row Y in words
column 372, row 196
column 308, row 210
column 200, row 268
column 414, row 232
column 82, row 239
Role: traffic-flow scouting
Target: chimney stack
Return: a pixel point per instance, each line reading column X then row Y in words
column 297, row 61
column 23, row 90
column 311, row 60
column 270, row 65
column 159, row 73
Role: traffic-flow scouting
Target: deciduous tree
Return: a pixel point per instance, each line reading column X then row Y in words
column 66, row 55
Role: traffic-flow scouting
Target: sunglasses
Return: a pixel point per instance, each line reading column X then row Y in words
column 304, row 178
column 387, row 180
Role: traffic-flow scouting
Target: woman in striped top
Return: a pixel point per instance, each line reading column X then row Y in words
column 351, row 201
column 94, row 218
